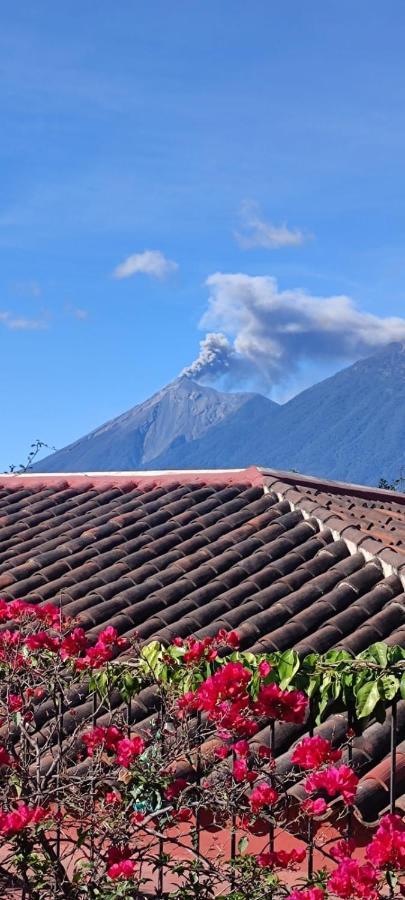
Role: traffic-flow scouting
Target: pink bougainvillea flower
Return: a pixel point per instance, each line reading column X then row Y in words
column 387, row 848
column 314, row 807
column 124, row 869
column 113, row 798
column 241, row 771
column 342, row 850
column 281, row 859
column 264, row 668
column 241, row 748
column 14, row 703
column 262, row 795
column 118, row 853
column 5, row 758
column 351, row 880
column 229, row 683
column 22, row 817
column 183, row 815
column 313, row 752
column 334, row 780
column 137, row 818
column 265, row 752
column 222, row 751
column 41, row 640
column 119, row 863
column 286, row 706
column 175, row 788
column 127, row 749
column 73, row 644
column 106, row 738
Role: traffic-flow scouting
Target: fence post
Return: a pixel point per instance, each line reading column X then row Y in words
column 198, row 783
column 350, row 724
column 310, row 826
column 161, row 840
column 271, row 745
column 394, row 736
column 60, row 713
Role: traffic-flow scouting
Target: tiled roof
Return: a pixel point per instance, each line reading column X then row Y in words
column 286, row 560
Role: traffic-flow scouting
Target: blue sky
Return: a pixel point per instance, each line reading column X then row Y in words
column 264, row 140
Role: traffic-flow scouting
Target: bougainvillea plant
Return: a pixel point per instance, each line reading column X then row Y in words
column 116, row 759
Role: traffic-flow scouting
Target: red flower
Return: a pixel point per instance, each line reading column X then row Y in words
column 264, row 668
column 73, row 644
column 117, row 854
column 241, row 771
column 23, row 817
column 342, row 850
column 353, row 880
column 41, row 640
column 334, row 781
column 119, row 864
column 183, row 815
column 265, row 752
column 314, row 807
column 241, row 748
column 287, row 706
column 229, row 683
column 137, row 818
column 262, row 795
column 124, row 869
column 129, row 748
column 173, row 790
column 313, row 752
column 281, row 859
column 113, row 798
column 107, row 738
column 188, row 701
column 14, row 703
column 387, row 848
column 5, row 758
column 222, row 751
column 232, row 639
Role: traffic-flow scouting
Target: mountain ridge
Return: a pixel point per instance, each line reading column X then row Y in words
column 351, row 426
column 180, row 412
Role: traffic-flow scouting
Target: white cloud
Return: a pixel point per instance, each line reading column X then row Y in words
column 150, row 262
column 21, row 323
column 257, row 232
column 268, row 333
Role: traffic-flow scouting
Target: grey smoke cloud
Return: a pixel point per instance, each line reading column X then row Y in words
column 214, row 358
column 267, row 333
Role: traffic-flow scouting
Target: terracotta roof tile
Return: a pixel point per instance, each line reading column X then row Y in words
column 286, row 560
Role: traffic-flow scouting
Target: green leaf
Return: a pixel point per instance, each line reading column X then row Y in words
column 288, row 664
column 376, row 652
column 395, row 654
column 310, row 662
column 313, row 685
column 151, row 654
column 402, row 687
column 388, row 686
column 367, row 698
column 337, row 656
column 101, row 682
column 320, row 707
column 243, row 844
column 249, row 659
